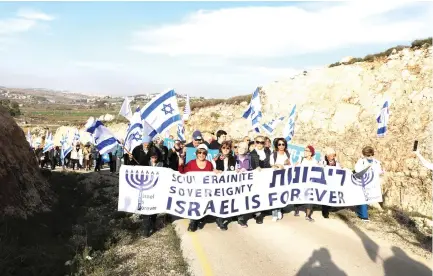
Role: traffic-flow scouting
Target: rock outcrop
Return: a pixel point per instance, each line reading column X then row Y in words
column 23, row 189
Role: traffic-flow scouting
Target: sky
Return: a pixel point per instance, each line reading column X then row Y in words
column 209, row 49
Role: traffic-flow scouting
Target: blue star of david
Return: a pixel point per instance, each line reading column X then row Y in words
column 167, row 109
column 136, row 136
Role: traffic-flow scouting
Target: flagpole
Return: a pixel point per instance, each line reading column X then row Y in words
column 129, row 153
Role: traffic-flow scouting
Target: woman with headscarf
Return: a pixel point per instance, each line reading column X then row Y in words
column 307, row 160
column 279, row 158
column 200, row 164
column 329, row 160
column 363, row 163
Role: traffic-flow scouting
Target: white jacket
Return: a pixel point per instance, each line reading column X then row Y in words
column 363, row 164
column 76, row 154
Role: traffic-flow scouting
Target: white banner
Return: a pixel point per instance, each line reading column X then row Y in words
column 153, row 190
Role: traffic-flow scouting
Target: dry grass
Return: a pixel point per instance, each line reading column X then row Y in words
column 85, row 230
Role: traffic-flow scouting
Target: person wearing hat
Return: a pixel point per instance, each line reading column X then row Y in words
column 197, row 139
column 307, row 160
column 200, row 164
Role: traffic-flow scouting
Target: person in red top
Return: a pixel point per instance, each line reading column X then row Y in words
column 200, row 164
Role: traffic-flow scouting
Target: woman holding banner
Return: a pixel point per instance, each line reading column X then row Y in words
column 200, row 164
column 260, row 158
column 224, row 161
column 330, row 160
column 243, row 164
column 307, row 160
column 280, row 158
column 363, row 163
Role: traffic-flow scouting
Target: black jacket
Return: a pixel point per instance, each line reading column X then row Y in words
column 255, row 160
column 142, row 157
column 164, row 154
column 172, row 160
column 214, row 145
column 219, row 164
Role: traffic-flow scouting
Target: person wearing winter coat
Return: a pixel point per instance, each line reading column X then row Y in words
column 260, row 159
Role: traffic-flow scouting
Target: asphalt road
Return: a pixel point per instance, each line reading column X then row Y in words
column 294, row 246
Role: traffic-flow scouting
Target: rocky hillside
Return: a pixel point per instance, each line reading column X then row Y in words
column 23, row 190
column 337, row 107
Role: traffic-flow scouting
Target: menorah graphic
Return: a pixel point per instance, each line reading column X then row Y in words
column 362, row 179
column 141, row 181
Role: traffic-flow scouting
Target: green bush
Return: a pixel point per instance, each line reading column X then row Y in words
column 12, row 107
column 372, row 57
column 421, row 42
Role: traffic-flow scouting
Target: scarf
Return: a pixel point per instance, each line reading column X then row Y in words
column 262, row 154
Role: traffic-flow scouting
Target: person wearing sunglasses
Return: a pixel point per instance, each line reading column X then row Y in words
column 280, row 158
column 225, row 161
column 260, row 159
column 197, row 139
column 200, row 164
column 243, row 164
column 235, row 148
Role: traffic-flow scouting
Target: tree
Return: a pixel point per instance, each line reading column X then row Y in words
column 12, row 107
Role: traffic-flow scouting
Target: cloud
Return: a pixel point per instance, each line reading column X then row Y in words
column 24, row 21
column 15, row 25
column 34, row 15
column 263, row 32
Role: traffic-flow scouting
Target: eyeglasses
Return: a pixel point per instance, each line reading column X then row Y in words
column 201, row 152
column 260, row 142
column 198, row 140
column 281, row 144
column 235, row 147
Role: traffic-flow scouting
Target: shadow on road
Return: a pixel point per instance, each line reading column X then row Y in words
column 320, row 263
column 402, row 264
column 398, row 265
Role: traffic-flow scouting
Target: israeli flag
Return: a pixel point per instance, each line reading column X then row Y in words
column 49, row 144
column 289, row 130
column 76, row 137
column 104, row 139
column 66, row 147
column 382, row 120
column 254, row 111
column 272, row 125
column 161, row 113
column 125, row 110
column 181, row 132
column 134, row 135
column 29, row 137
column 187, row 110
